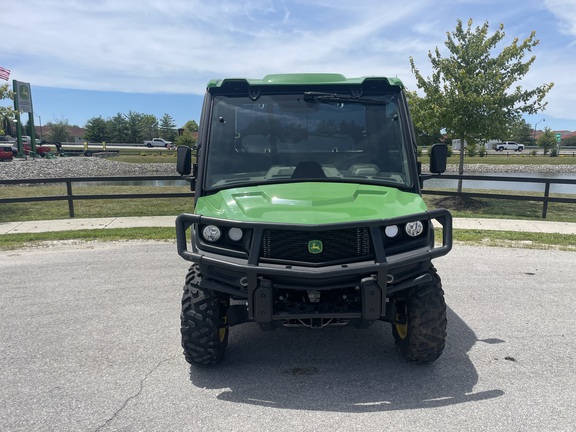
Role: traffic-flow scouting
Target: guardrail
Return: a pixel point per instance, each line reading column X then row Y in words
column 70, row 197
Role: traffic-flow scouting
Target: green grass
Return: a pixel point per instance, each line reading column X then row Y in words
column 155, row 156
column 511, row 159
column 48, row 210
column 18, row 241
column 525, row 240
column 481, row 207
column 147, row 156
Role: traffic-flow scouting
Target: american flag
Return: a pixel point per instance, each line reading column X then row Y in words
column 4, row 73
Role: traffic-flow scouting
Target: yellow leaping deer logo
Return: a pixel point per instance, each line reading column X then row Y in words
column 315, row 246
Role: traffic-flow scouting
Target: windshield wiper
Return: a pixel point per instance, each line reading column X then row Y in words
column 337, row 98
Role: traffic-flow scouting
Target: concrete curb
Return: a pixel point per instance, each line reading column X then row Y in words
column 169, row 221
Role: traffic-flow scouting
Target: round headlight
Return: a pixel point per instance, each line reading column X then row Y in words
column 391, row 231
column 235, row 234
column 211, row 233
column 414, row 229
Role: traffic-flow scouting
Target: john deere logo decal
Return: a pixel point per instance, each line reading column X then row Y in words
column 315, row 246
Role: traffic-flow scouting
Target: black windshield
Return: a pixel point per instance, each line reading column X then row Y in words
column 335, row 137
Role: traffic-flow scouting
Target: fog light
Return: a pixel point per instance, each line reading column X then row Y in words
column 211, row 233
column 235, row 234
column 414, row 229
column 391, row 231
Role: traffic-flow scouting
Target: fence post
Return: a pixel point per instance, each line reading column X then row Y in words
column 546, row 196
column 70, row 198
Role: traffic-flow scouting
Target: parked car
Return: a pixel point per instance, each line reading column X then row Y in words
column 6, row 153
column 508, row 145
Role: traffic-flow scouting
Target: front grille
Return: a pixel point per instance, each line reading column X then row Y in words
column 338, row 246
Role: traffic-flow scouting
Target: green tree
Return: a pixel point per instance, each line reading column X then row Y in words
column 426, row 128
column 149, row 126
column 471, row 148
column 7, row 113
column 186, row 139
column 167, row 127
column 569, row 142
column 473, row 93
column 191, row 126
column 59, row 131
column 522, row 132
column 547, row 140
column 96, row 130
column 118, row 129
column 135, row 134
column 189, row 134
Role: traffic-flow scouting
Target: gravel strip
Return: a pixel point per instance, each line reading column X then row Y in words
column 96, row 167
column 80, row 167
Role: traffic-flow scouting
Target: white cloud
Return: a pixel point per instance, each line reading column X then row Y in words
column 167, row 46
column 177, row 45
column 565, row 11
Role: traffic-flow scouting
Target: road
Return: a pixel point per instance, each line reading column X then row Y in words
column 89, row 341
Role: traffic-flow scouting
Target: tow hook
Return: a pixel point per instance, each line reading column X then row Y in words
column 371, row 299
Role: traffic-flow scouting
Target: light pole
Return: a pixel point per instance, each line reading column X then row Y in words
column 40, row 119
column 536, row 125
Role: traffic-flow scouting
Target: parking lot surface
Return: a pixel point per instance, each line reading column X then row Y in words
column 89, row 341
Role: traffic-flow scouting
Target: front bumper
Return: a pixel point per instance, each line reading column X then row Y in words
column 372, row 276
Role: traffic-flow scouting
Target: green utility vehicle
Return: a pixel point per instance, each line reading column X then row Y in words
column 308, row 214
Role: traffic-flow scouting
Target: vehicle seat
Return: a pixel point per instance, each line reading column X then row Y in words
column 364, row 170
column 308, row 169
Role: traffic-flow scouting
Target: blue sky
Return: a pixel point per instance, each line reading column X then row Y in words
column 94, row 58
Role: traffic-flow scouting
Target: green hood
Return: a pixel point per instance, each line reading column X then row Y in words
column 310, row 203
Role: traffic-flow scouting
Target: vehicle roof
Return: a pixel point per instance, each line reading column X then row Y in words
column 305, row 78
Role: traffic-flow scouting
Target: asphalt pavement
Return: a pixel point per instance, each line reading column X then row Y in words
column 169, row 221
column 90, row 341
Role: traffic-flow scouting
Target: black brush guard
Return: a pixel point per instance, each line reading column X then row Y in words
column 258, row 287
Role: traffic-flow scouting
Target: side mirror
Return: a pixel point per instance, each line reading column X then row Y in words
column 438, row 158
column 184, row 160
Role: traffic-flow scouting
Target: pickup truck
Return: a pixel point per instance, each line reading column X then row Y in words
column 508, row 145
column 158, row 142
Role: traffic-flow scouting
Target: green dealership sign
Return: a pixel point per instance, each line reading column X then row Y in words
column 23, row 97
column 558, row 137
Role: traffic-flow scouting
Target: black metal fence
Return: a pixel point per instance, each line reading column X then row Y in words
column 70, row 197
column 545, row 199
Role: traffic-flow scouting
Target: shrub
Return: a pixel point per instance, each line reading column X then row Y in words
column 471, row 150
column 186, row 139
